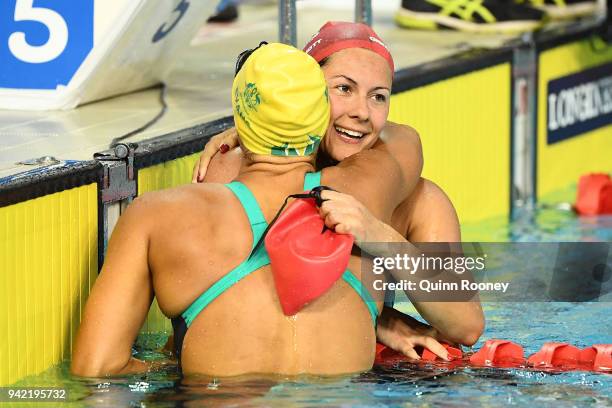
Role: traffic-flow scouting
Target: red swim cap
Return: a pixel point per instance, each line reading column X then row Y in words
column 339, row 35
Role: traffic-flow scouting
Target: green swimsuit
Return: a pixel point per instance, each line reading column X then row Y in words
column 253, row 262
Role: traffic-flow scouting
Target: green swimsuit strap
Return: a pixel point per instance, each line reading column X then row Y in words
column 356, row 284
column 312, row 180
column 252, row 263
column 247, row 199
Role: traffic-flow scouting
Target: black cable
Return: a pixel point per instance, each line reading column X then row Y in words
column 162, row 100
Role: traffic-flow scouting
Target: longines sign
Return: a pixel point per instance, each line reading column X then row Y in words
column 579, row 103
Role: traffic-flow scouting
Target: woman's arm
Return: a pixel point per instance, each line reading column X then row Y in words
column 415, row 219
column 223, row 142
column 431, row 217
column 384, row 175
column 118, row 303
column 459, row 322
column 405, row 146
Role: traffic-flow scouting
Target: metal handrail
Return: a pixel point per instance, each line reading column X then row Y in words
column 287, row 19
column 363, row 11
column 287, row 22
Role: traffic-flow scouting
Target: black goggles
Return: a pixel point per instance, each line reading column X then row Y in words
column 244, row 55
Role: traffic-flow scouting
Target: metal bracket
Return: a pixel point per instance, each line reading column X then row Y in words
column 118, row 185
column 118, row 182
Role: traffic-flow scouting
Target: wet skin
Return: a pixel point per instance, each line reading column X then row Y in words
column 174, row 244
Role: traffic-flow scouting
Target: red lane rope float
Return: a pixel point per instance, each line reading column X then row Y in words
column 506, row 354
column 557, row 355
column 594, row 194
column 385, row 355
column 597, row 357
column 499, row 353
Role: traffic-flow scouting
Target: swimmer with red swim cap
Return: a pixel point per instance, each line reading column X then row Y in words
column 338, row 36
column 194, row 248
column 358, row 68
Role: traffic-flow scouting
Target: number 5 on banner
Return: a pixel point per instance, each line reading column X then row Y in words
column 58, row 34
column 42, row 46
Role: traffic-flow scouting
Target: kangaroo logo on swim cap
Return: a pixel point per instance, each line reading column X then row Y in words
column 280, row 102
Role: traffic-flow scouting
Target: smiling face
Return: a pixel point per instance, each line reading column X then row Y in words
column 359, row 84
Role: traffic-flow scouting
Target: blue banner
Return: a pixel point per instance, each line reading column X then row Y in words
column 43, row 42
column 579, row 103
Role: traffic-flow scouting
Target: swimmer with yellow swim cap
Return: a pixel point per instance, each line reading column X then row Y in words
column 192, row 247
column 280, row 105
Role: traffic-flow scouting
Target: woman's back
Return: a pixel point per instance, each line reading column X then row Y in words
column 244, row 330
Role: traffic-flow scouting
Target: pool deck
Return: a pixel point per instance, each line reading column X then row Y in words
column 198, row 86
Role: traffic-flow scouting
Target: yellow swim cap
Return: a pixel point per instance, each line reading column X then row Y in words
column 280, row 102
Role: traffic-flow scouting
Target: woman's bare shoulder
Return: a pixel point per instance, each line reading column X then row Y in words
column 404, row 145
column 182, row 198
column 432, row 214
column 404, row 142
column 398, row 133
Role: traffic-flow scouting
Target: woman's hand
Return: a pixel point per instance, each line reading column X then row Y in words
column 403, row 333
column 346, row 215
column 222, row 142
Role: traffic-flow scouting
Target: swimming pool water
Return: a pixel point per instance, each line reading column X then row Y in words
column 404, row 384
column 543, row 225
